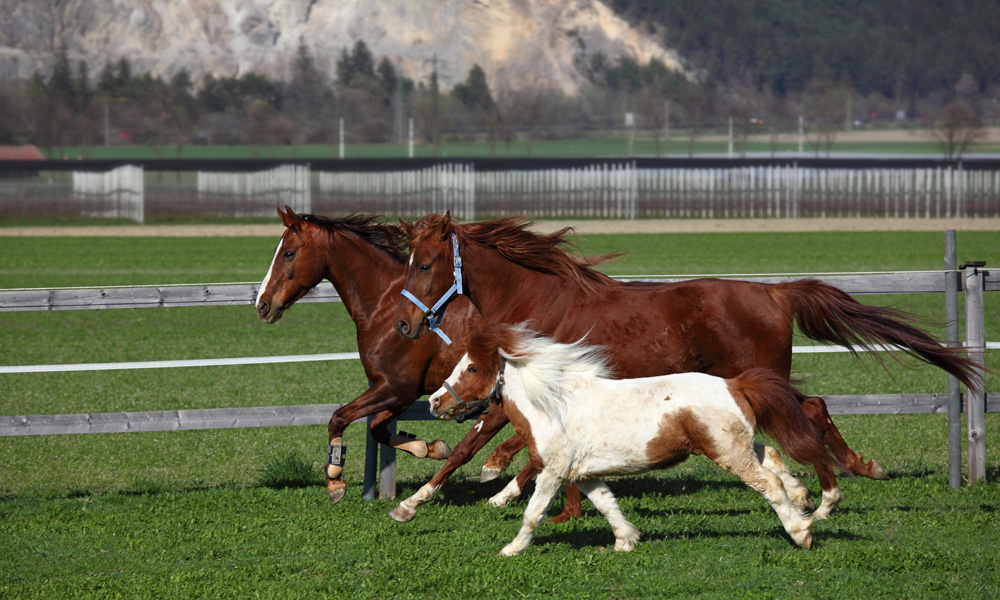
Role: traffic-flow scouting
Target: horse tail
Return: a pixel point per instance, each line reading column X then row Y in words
column 828, row 314
column 777, row 409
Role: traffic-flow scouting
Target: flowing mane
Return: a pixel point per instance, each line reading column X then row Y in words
column 548, row 369
column 511, row 237
column 387, row 237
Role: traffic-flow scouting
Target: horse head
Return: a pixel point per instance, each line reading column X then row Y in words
column 430, row 274
column 298, row 265
column 476, row 380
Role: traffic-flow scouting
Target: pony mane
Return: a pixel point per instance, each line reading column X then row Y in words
column 548, row 369
column 552, row 254
column 390, row 238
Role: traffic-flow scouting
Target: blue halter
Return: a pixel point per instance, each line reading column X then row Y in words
column 432, row 314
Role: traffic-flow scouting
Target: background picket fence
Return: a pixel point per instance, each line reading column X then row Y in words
column 118, row 193
column 255, row 194
column 614, row 189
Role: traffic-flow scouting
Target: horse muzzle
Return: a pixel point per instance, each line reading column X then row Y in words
column 268, row 313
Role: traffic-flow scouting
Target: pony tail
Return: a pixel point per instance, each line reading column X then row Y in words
column 777, row 407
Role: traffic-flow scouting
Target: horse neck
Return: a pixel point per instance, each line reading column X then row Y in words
column 504, row 291
column 361, row 273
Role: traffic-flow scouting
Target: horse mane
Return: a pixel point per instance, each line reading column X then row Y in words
column 390, row 238
column 511, row 237
column 548, row 369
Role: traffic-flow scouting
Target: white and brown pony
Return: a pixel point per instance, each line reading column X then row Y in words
column 581, row 425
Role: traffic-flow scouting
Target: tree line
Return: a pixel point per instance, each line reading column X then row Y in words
column 68, row 107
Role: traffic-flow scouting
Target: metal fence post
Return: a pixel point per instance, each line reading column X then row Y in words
column 975, row 339
column 951, row 287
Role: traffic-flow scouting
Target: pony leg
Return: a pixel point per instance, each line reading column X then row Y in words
column 772, row 461
column 546, row 487
column 500, row 459
column 573, row 507
column 626, row 535
column 482, row 432
column 742, row 463
column 815, row 409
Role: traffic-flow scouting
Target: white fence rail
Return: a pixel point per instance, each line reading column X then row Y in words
column 118, row 193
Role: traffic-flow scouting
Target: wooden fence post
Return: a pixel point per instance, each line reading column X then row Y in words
column 975, row 339
column 951, row 287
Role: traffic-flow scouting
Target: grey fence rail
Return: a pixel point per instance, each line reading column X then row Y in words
column 971, row 279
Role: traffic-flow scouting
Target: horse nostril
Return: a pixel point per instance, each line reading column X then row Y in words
column 402, row 327
column 262, row 308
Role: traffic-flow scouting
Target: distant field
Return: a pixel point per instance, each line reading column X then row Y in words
column 180, row 514
column 894, row 141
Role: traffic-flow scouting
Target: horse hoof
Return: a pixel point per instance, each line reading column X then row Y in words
column 336, row 488
column 438, row 450
column 402, row 515
column 878, row 472
column 488, row 475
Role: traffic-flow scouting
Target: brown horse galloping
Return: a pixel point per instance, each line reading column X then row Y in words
column 365, row 261
column 714, row 326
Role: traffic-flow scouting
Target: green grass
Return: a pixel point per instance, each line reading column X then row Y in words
column 612, row 144
column 196, row 513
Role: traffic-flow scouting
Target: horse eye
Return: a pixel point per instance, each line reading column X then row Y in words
column 473, row 369
column 425, row 268
column 289, row 254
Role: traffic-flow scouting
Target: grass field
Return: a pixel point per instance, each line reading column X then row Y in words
column 916, row 142
column 182, row 514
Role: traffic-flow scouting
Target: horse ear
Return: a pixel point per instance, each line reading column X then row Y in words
column 445, row 224
column 289, row 217
column 408, row 228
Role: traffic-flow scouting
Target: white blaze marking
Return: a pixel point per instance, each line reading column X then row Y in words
column 479, row 426
column 267, row 277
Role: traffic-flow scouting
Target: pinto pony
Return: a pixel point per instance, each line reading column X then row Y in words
column 714, row 326
column 580, row 425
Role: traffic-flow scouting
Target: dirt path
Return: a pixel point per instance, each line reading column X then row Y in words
column 581, row 226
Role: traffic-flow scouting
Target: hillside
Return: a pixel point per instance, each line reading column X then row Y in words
column 518, row 43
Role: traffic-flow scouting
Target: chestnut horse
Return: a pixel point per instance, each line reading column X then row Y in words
column 365, row 261
column 580, row 425
column 714, row 326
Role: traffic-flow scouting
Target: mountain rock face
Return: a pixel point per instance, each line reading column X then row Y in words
column 518, row 43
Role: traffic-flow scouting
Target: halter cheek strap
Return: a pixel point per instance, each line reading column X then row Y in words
column 432, row 314
column 463, row 409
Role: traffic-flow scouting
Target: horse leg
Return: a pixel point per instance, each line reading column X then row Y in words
column 831, row 492
column 626, row 535
column 815, row 409
column 513, row 489
column 736, row 456
column 546, row 488
column 771, row 460
column 482, row 432
column 407, row 442
column 379, row 398
column 501, row 457
column 573, row 507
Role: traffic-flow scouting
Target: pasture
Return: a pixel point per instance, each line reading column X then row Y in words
column 181, row 514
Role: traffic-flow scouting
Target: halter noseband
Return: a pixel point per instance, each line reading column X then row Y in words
column 431, row 314
column 463, row 409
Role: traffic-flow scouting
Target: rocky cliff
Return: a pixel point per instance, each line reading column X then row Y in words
column 518, row 43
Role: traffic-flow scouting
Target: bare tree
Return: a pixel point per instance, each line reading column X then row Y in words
column 957, row 128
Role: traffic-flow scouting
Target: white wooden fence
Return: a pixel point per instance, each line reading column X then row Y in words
column 254, row 194
column 613, row 190
column 625, row 191
column 118, row 193
column 435, row 189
